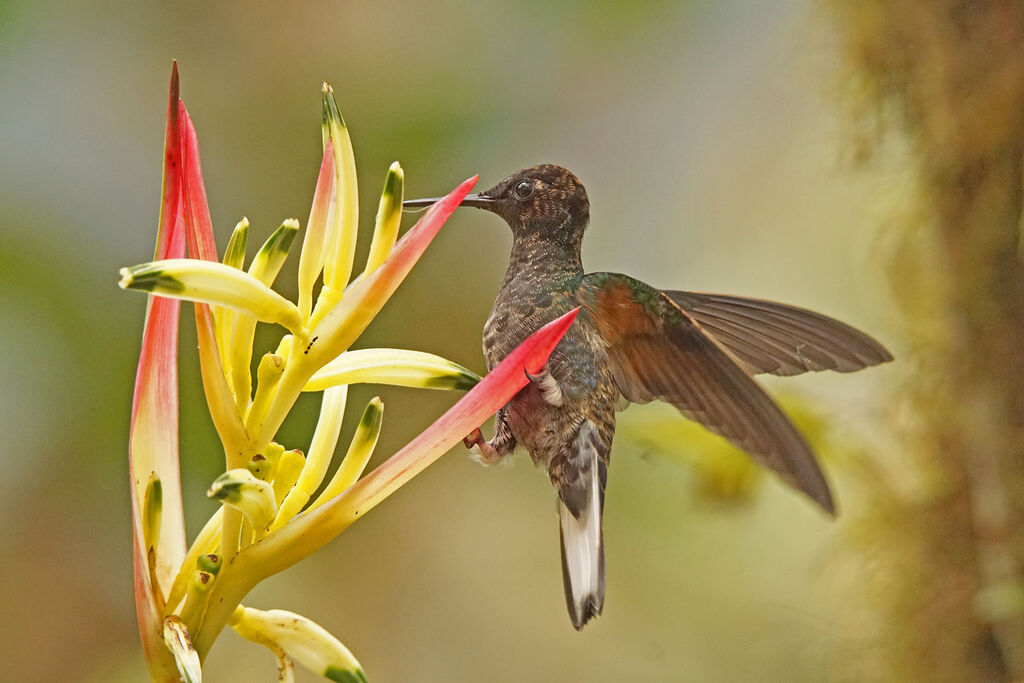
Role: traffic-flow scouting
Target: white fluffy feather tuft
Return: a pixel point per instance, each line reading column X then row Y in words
column 550, row 390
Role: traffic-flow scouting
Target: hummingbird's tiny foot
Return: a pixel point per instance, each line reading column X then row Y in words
column 550, row 389
column 473, row 439
column 481, row 450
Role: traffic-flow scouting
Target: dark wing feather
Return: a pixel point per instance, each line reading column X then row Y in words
column 780, row 339
column 658, row 352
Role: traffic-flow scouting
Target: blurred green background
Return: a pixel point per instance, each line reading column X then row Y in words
column 718, row 155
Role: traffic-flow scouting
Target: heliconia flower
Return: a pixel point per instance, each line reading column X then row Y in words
column 242, row 491
column 389, row 216
column 318, row 459
column 224, row 319
column 213, row 283
column 289, row 468
column 399, row 367
column 185, row 596
column 311, row 261
column 359, row 451
column 334, row 331
column 267, row 262
column 268, row 374
column 180, row 645
column 344, row 322
column 234, row 253
column 301, row 639
column 340, row 239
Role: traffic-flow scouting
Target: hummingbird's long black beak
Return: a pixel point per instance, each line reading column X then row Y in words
column 478, row 201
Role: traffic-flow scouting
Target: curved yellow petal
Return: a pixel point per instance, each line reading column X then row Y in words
column 212, row 283
column 321, row 450
column 300, row 638
column 254, row 497
column 359, row 451
column 389, row 216
column 400, row 367
column 340, row 240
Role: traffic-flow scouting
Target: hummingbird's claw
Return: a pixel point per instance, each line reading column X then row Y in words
column 483, row 451
column 474, row 439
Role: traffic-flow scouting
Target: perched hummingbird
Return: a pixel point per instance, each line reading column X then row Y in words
column 634, row 343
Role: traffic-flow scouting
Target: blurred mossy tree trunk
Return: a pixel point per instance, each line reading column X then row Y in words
column 949, row 76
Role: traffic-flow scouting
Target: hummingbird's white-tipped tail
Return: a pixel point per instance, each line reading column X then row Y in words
column 583, row 555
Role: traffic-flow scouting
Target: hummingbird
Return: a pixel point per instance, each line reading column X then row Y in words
column 634, row 343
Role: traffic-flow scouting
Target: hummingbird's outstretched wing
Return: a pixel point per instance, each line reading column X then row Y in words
column 780, row 339
column 657, row 351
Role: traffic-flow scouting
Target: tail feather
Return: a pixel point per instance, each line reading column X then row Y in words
column 583, row 556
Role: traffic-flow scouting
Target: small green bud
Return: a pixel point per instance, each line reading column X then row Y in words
column 209, row 563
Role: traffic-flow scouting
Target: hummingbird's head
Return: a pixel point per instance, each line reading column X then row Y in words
column 545, row 199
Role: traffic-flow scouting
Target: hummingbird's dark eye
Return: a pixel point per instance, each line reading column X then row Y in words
column 524, row 189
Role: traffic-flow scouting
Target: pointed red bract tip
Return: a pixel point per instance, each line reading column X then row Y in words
column 170, row 242
column 415, row 240
column 197, row 211
column 557, row 329
column 455, row 197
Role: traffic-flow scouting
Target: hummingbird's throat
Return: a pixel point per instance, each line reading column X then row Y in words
column 536, row 260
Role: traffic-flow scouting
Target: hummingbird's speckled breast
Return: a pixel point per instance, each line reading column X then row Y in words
column 537, row 289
